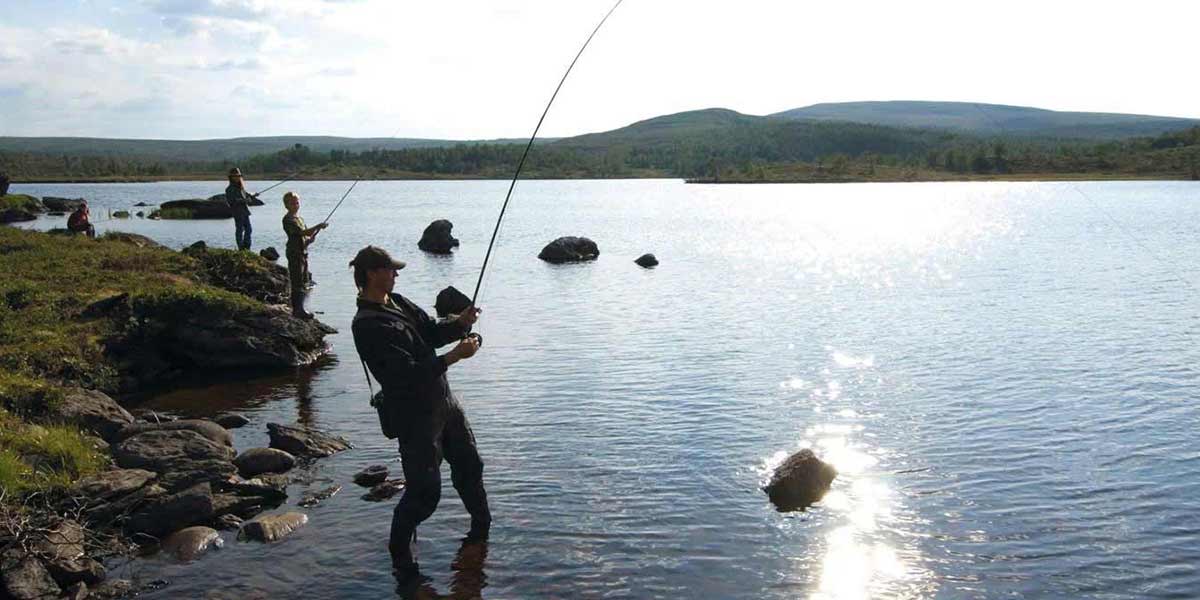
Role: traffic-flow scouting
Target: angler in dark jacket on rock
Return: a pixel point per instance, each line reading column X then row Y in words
column 239, row 202
column 397, row 341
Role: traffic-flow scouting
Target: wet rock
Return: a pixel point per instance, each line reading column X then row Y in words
column 181, row 457
column 196, row 208
column 269, row 253
column 257, row 461
column 172, row 513
column 272, row 487
column 437, row 239
column 121, row 214
column 570, row 249
column 106, row 307
column 79, row 591
column 141, row 215
column 109, row 485
column 450, row 301
column 62, row 204
column 384, row 491
column 221, row 198
column 107, row 512
column 371, row 476
column 142, row 205
column 302, row 441
column 232, row 421
column 227, row 522
column 68, row 572
column 114, row 588
column 210, row 430
column 800, row 481
column 188, row 544
column 647, row 261
column 24, row 578
column 132, row 239
column 311, row 499
column 93, row 411
column 272, row 528
column 16, row 215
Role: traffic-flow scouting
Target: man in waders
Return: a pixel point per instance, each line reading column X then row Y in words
column 298, row 239
column 239, row 202
column 396, row 340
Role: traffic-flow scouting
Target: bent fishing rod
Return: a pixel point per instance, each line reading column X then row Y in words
column 524, row 155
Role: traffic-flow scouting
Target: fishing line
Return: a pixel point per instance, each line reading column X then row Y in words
column 524, row 155
column 267, row 189
column 1170, row 266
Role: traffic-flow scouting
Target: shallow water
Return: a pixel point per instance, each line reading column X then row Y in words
column 1004, row 374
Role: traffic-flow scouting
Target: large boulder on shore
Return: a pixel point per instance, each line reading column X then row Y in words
column 257, row 461
column 94, row 411
column 302, row 441
column 196, row 208
column 181, row 457
column 221, row 198
column 437, row 239
column 167, row 514
column 800, row 481
column 110, row 485
column 208, row 429
column 570, row 249
column 189, row 543
column 62, row 204
column 242, row 272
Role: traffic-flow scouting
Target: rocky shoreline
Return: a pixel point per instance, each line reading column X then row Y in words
column 149, row 316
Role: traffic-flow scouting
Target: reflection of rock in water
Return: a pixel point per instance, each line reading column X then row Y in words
column 800, row 481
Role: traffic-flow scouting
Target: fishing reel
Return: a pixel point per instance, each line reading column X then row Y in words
column 478, row 338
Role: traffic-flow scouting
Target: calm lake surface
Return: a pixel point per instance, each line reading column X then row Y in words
column 1005, row 375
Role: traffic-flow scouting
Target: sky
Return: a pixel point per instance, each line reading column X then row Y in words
column 483, row 69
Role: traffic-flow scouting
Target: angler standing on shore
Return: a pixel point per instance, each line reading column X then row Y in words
column 299, row 238
column 239, row 202
column 397, row 341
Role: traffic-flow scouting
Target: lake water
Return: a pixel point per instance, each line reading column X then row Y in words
column 1005, row 375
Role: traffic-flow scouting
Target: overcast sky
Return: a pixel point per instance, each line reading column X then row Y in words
column 474, row 69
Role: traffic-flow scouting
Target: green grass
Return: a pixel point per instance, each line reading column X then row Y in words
column 21, row 201
column 40, row 457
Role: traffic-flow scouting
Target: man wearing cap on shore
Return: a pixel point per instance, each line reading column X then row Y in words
column 397, row 341
column 239, row 202
column 299, row 237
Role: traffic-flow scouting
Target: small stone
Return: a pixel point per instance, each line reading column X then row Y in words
column 232, row 421
column 800, row 481
column 227, row 522
column 302, row 441
column 311, row 499
column 570, row 249
column 647, row 261
column 269, row 253
column 371, row 476
column 272, row 528
column 384, row 490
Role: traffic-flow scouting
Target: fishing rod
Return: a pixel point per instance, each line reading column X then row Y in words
column 524, row 155
column 335, row 207
column 267, row 189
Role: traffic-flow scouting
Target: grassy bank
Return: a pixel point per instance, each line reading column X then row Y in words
column 53, row 336
column 19, row 201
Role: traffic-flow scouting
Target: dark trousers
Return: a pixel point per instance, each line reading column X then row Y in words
column 241, row 229
column 425, row 441
column 298, row 277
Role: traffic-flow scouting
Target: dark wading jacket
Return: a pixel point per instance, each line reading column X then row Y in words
column 399, row 346
column 238, row 200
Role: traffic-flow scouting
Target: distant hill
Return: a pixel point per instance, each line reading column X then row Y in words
column 211, row 150
column 992, row 119
column 666, row 128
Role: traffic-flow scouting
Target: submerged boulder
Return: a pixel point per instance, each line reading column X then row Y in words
column 371, row 476
column 195, row 208
column 188, row 544
column 272, row 528
column 436, row 238
column 800, row 481
column 232, row 421
column 257, row 461
column 311, row 499
column 384, row 490
column 570, row 249
column 450, row 301
column 302, row 441
column 62, row 204
column 647, row 261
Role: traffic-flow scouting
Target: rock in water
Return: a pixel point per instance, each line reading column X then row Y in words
column 437, row 239
column 272, row 528
column 269, row 253
column 384, row 490
column 257, row 461
column 647, row 261
column 311, row 499
column 210, row 430
column 450, row 301
column 800, row 481
column 187, row 544
column 371, row 476
column 302, row 441
column 195, row 208
column 570, row 249
column 172, row 513
column 62, row 204
column 232, row 421
column 180, row 457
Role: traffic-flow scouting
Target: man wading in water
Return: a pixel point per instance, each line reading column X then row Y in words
column 239, row 203
column 396, row 339
column 298, row 239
